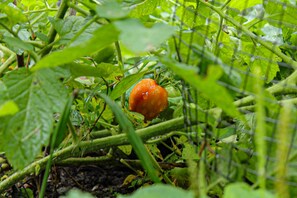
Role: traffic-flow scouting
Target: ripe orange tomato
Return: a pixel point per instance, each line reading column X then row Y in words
column 148, row 98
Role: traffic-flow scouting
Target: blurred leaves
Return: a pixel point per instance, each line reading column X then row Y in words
column 102, row 37
column 241, row 5
column 138, row 38
column 243, row 190
column 160, row 191
column 208, row 85
column 68, row 28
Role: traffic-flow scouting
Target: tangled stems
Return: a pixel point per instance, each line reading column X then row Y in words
column 89, row 146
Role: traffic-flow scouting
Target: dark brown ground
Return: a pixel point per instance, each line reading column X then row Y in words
column 101, row 181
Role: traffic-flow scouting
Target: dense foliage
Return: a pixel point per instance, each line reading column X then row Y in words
column 229, row 67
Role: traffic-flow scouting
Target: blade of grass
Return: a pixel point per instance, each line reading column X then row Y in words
column 134, row 139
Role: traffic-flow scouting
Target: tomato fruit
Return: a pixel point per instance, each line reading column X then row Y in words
column 148, row 98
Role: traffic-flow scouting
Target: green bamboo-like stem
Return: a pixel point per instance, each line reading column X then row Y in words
column 41, row 10
column 282, row 86
column 121, row 64
column 78, row 9
column 7, row 63
column 52, row 32
column 75, row 161
column 89, row 146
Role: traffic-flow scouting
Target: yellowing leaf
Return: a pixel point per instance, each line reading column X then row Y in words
column 8, row 108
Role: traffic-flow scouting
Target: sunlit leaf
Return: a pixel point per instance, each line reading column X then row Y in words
column 241, row 5
column 8, row 108
column 103, row 37
column 137, row 38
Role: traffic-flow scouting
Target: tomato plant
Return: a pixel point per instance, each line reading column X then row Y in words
column 78, row 85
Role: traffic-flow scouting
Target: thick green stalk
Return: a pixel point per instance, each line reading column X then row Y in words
column 89, row 146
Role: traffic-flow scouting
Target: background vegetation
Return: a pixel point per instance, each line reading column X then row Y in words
column 229, row 66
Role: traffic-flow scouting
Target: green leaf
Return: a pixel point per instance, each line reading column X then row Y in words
column 38, row 95
column 125, row 84
column 8, row 108
column 138, row 38
column 67, row 28
column 18, row 43
column 190, row 152
column 75, row 193
column 111, row 9
column 160, row 191
column 243, row 190
column 264, row 60
column 103, row 37
column 278, row 15
column 12, row 13
column 146, row 7
column 208, row 86
column 241, row 5
column 105, row 70
column 133, row 138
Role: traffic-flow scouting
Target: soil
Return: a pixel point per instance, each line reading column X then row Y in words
column 101, row 181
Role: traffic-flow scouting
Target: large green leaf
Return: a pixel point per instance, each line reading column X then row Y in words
column 18, row 43
column 264, row 60
column 243, row 190
column 160, row 191
column 13, row 14
column 280, row 15
column 208, row 85
column 38, row 95
column 67, row 28
column 111, row 9
column 144, row 8
column 241, row 5
column 105, row 70
column 103, row 37
column 138, row 38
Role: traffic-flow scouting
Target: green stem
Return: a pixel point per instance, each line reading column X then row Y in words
column 78, row 9
column 121, row 64
column 7, row 63
column 225, row 4
column 75, row 161
column 90, row 146
column 52, row 32
column 282, row 86
column 41, row 10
